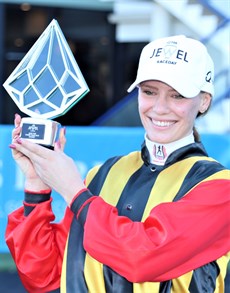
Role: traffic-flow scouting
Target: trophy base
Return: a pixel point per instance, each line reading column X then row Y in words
column 41, row 131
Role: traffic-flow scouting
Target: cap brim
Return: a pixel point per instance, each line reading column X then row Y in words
column 184, row 89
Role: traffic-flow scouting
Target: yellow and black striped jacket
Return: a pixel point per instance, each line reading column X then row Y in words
column 135, row 187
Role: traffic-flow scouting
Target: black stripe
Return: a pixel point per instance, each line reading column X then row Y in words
column 133, row 207
column 115, row 283
column 227, row 279
column 36, row 197
column 99, row 179
column 199, row 171
column 130, row 205
column 83, row 214
column 80, row 200
column 75, row 281
column 204, row 278
column 28, row 210
column 165, row 287
column 188, row 151
column 133, row 200
column 33, row 198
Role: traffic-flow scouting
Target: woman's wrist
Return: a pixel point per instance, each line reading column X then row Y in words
column 36, row 186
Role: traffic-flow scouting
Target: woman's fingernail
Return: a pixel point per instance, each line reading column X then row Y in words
column 12, row 146
column 58, row 144
column 64, row 130
column 19, row 141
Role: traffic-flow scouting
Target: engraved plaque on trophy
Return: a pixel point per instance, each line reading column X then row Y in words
column 46, row 84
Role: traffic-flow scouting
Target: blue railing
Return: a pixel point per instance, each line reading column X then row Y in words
column 107, row 142
column 217, row 7
column 222, row 10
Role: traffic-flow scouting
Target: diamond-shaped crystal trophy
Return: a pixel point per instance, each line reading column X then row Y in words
column 46, row 84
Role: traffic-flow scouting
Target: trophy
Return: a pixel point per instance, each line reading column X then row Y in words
column 46, row 84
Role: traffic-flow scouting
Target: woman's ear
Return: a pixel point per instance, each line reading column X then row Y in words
column 206, row 99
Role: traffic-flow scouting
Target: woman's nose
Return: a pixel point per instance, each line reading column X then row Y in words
column 160, row 104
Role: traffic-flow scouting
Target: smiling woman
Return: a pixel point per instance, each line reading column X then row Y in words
column 154, row 220
column 166, row 115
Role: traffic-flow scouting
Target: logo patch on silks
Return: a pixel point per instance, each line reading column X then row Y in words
column 47, row 82
column 159, row 152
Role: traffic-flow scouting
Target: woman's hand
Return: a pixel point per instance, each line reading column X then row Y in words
column 55, row 168
column 32, row 180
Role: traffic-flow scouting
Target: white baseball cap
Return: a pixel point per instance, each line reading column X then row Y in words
column 182, row 63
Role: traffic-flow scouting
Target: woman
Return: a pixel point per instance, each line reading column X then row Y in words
column 156, row 220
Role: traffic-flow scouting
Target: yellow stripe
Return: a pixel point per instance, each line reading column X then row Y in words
column 173, row 177
column 91, row 174
column 111, row 192
column 224, row 174
column 146, row 287
column 223, row 265
column 63, row 273
column 182, row 283
column 94, row 275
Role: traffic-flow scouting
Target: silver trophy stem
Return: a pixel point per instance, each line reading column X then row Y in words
column 40, row 131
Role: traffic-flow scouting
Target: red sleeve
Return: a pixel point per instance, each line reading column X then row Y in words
column 37, row 246
column 177, row 237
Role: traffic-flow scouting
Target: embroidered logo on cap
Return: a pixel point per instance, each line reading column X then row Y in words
column 168, row 51
column 208, row 76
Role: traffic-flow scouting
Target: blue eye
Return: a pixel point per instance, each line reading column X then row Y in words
column 177, row 96
column 147, row 92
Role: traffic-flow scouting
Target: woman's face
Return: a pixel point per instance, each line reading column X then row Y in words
column 165, row 114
